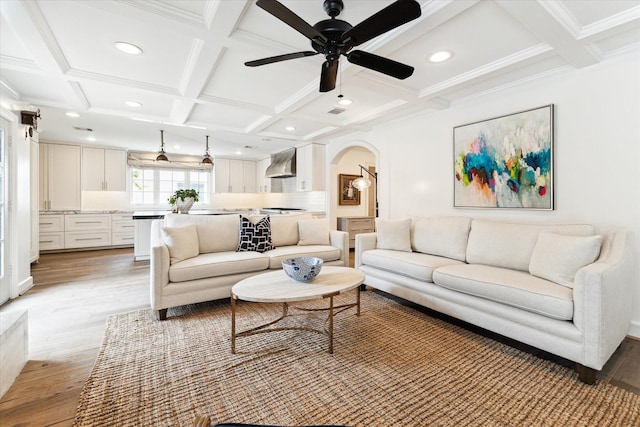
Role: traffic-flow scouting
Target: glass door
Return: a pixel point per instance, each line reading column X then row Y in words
column 5, row 285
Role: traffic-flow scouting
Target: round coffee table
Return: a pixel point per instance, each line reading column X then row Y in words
column 277, row 287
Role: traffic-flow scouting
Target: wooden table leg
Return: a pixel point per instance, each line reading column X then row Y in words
column 331, row 324
column 233, row 324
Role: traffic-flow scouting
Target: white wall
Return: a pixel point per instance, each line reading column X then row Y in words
column 597, row 151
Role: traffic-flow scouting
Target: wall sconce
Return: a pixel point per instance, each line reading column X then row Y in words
column 363, row 183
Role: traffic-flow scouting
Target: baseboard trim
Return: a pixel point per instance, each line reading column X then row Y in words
column 25, row 285
column 634, row 330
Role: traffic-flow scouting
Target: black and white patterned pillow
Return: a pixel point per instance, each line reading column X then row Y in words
column 255, row 237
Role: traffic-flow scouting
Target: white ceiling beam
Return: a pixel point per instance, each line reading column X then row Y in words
column 554, row 25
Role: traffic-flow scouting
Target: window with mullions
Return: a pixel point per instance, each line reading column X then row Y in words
column 155, row 186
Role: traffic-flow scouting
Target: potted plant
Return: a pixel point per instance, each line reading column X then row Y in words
column 182, row 200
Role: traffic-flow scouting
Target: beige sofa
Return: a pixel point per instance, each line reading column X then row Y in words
column 195, row 258
column 561, row 288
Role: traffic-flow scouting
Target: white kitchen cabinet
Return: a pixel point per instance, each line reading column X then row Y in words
column 122, row 230
column 59, row 177
column 104, row 169
column 310, row 167
column 263, row 184
column 249, row 176
column 235, row 176
column 51, row 232
column 87, row 230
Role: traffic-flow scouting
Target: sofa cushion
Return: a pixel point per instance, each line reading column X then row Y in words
column 182, row 242
column 216, row 264
column 511, row 245
column 254, row 237
column 557, row 257
column 394, row 234
column 415, row 264
column 510, row 287
column 443, row 236
column 313, row 232
column 216, row 233
column 284, row 228
column 279, row 254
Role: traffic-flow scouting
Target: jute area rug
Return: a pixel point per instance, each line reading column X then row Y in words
column 392, row 366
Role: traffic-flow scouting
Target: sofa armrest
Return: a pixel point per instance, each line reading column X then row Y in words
column 340, row 240
column 159, row 265
column 364, row 242
column 602, row 306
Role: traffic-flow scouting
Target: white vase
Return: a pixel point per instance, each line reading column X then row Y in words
column 184, row 205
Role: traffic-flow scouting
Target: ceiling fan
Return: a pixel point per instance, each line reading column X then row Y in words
column 334, row 37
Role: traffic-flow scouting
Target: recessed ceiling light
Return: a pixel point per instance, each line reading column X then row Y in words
column 72, row 114
column 290, row 128
column 134, row 104
column 440, row 56
column 177, row 147
column 140, row 119
column 129, row 48
column 345, row 101
column 91, row 138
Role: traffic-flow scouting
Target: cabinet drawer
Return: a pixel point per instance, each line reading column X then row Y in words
column 50, row 241
column 122, row 239
column 362, row 225
column 121, row 217
column 51, row 223
column 79, row 239
column 123, row 227
column 87, row 222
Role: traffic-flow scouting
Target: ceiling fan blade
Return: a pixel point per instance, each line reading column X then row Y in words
column 284, row 14
column 279, row 58
column 380, row 64
column 392, row 16
column 328, row 76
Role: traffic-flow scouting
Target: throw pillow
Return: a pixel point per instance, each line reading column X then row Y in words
column 558, row 257
column 255, row 237
column 394, row 234
column 181, row 241
column 313, row 232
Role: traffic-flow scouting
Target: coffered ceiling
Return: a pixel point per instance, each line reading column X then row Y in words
column 59, row 56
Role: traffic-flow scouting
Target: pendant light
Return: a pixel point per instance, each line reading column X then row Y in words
column 162, row 157
column 207, row 158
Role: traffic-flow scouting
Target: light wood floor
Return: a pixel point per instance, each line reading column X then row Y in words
column 68, row 307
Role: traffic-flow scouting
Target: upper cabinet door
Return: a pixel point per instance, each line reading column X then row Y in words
column 115, row 170
column 104, row 169
column 92, row 169
column 63, row 177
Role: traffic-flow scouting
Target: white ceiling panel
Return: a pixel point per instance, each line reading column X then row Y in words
column 86, row 36
column 192, row 81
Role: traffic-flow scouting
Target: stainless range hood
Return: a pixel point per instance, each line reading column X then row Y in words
column 283, row 164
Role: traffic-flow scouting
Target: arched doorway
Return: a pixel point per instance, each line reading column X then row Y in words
column 347, row 161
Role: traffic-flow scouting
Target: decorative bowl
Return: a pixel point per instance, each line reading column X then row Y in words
column 302, row 269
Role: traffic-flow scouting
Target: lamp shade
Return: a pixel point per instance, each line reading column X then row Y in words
column 162, row 157
column 361, row 183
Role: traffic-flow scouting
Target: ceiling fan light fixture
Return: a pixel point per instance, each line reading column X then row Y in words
column 162, row 156
column 128, row 48
column 440, row 56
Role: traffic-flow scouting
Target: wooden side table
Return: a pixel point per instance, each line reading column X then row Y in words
column 356, row 225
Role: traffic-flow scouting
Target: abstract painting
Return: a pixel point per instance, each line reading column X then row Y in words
column 505, row 162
